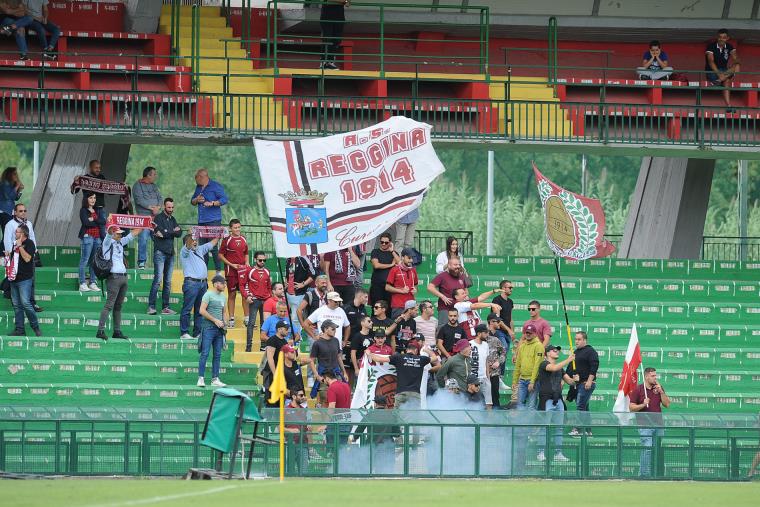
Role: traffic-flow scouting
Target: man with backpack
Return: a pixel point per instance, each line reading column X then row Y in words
column 112, row 251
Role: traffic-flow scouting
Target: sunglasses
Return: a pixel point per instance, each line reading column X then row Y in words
column 377, row 306
column 261, row 260
column 532, row 309
column 385, row 242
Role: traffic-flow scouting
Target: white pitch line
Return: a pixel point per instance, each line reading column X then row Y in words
column 166, row 498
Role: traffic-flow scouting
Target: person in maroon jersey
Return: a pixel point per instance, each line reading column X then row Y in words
column 256, row 286
column 233, row 252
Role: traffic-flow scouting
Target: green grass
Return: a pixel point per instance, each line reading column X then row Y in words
column 370, row 493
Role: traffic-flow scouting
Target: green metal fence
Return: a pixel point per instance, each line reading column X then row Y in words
column 443, row 443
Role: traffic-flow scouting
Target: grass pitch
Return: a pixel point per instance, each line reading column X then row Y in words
column 372, row 493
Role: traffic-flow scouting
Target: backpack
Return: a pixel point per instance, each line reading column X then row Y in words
column 100, row 265
column 312, row 303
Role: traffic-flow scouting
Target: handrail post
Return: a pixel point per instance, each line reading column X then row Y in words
column 173, row 46
column 382, row 41
column 275, row 29
column 552, row 42
column 486, row 26
column 245, row 11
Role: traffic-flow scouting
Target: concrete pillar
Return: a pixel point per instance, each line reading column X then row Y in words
column 142, row 16
column 666, row 219
column 54, row 211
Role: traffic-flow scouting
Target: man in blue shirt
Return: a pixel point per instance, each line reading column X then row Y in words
column 209, row 196
column 195, row 284
column 116, row 283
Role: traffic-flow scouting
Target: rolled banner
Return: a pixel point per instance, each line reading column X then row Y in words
column 129, row 221
column 209, row 231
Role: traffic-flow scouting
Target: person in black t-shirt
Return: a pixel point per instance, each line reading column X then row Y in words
column 507, row 324
column 360, row 341
column 356, row 310
column 380, row 319
column 404, row 327
column 549, row 381
column 382, row 259
column 410, row 368
column 717, row 57
column 293, row 373
column 272, row 353
column 448, row 334
column 21, row 277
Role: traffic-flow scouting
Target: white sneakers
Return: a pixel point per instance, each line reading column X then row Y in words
column 245, row 321
column 231, row 323
column 186, row 337
column 558, row 456
column 215, row 382
column 94, row 286
column 83, row 287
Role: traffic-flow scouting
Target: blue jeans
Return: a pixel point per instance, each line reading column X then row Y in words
column 211, row 336
column 163, row 265
column 20, row 33
column 582, row 399
column 43, row 29
column 142, row 246
column 214, row 251
column 87, row 252
column 192, row 292
column 526, row 400
column 557, row 409
column 647, row 444
column 21, row 295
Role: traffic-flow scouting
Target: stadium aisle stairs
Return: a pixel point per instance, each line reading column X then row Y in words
column 535, row 113
column 68, row 366
column 218, row 61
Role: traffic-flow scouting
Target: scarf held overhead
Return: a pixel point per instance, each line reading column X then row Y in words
column 89, row 184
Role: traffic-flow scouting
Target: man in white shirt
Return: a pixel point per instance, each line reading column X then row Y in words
column 480, row 366
column 331, row 311
column 427, row 325
column 9, row 237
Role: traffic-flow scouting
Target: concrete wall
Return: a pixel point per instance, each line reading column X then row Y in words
column 142, row 16
column 54, row 211
column 666, row 219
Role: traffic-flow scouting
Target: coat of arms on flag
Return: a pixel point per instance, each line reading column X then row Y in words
column 574, row 223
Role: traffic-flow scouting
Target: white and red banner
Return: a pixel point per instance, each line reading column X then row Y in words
column 129, row 221
column 209, row 231
column 331, row 193
column 629, row 378
column 574, row 223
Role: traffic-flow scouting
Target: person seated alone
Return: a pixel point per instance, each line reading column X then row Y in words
column 717, row 57
column 655, row 64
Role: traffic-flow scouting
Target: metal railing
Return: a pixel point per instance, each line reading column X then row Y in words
column 433, row 241
column 741, row 248
column 443, row 443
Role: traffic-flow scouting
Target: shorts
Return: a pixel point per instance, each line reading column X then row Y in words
column 232, row 283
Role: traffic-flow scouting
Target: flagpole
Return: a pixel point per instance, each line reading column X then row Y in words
column 643, row 380
column 564, row 307
column 282, row 436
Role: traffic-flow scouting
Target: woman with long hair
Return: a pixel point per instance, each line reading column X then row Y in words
column 451, row 252
column 10, row 192
column 89, row 233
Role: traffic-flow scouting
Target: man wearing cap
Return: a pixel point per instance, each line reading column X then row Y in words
column 402, row 283
column 333, row 312
column 213, row 309
column 272, row 353
column 458, row 366
column 550, row 377
column 410, row 368
column 256, row 287
column 325, row 356
column 404, row 327
column 529, row 357
column 473, row 393
column 116, row 284
column 467, row 307
column 449, row 334
column 497, row 357
column 195, row 283
column 480, row 365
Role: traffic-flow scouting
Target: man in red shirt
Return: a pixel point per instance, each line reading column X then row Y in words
column 649, row 397
column 338, row 404
column 402, row 282
column 341, row 268
column 233, row 252
column 256, row 287
column 278, row 296
column 443, row 285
